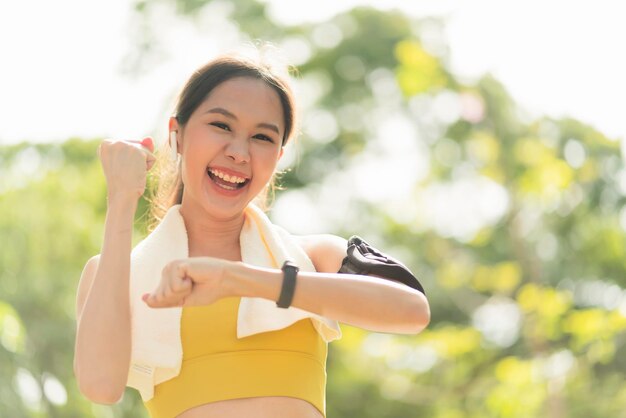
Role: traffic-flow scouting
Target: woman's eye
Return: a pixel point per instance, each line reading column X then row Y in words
column 264, row 137
column 221, row 125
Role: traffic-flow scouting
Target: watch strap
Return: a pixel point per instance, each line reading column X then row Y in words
column 290, row 272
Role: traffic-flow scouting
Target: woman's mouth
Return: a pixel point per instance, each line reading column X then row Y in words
column 225, row 181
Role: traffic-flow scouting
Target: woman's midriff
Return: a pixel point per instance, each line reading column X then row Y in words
column 268, row 374
column 258, row 407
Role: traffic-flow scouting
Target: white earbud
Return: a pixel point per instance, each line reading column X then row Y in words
column 173, row 146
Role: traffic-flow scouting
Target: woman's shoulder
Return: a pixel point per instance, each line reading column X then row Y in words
column 326, row 251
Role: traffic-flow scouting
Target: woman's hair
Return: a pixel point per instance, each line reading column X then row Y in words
column 169, row 188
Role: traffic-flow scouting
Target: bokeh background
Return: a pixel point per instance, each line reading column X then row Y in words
column 479, row 142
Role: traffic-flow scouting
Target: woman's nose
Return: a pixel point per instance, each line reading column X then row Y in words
column 238, row 150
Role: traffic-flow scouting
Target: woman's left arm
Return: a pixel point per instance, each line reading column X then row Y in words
column 367, row 302
column 371, row 303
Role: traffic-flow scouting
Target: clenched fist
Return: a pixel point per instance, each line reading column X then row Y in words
column 125, row 164
column 194, row 281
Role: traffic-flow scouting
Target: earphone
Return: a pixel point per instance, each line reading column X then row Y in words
column 173, row 147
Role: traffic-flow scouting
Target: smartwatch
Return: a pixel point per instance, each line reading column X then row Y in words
column 290, row 271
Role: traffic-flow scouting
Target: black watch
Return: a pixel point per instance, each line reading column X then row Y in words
column 290, row 271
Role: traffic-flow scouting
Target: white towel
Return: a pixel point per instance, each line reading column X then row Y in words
column 156, row 344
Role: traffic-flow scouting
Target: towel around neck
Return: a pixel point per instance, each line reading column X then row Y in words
column 156, row 344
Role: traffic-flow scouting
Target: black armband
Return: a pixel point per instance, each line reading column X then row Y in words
column 364, row 259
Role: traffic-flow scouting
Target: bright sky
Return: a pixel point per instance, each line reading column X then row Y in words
column 61, row 75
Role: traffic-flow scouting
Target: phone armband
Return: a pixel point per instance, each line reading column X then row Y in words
column 364, row 259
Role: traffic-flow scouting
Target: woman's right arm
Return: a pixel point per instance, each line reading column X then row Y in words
column 103, row 342
column 103, row 334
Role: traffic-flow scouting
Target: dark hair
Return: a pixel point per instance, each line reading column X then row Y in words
column 169, row 188
column 222, row 69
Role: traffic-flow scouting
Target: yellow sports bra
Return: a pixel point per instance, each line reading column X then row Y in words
column 218, row 366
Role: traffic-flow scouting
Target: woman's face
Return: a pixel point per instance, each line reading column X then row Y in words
column 231, row 145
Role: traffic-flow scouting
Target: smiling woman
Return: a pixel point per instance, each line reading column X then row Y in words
column 218, row 312
column 225, row 123
column 234, row 133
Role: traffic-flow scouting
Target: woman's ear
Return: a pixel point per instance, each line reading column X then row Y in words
column 280, row 154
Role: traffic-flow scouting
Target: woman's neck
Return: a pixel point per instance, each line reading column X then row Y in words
column 211, row 236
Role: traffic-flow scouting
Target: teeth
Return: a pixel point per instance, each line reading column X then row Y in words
column 224, row 176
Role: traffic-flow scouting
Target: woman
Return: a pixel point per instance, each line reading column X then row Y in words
column 233, row 119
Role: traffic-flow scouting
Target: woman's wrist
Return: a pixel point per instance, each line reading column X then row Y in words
column 236, row 279
column 120, row 213
column 246, row 280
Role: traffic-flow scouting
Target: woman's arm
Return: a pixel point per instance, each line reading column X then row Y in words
column 103, row 336
column 368, row 302
column 103, row 340
column 363, row 301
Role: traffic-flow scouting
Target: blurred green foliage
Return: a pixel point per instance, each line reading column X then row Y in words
column 527, row 303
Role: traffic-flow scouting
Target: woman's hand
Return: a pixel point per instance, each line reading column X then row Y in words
column 194, row 281
column 125, row 165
